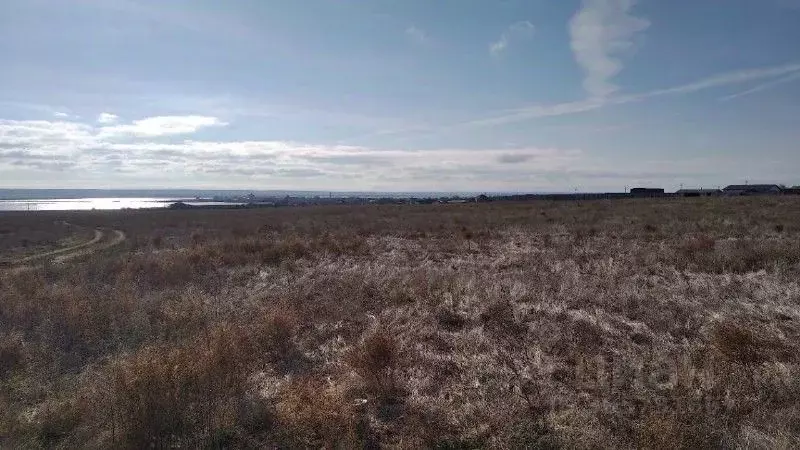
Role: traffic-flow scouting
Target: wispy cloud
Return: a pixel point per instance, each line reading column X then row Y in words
column 107, row 118
column 600, row 32
column 160, row 126
column 55, row 111
column 523, row 29
column 726, row 79
column 417, row 35
column 764, row 86
column 590, row 104
column 42, row 135
column 190, row 17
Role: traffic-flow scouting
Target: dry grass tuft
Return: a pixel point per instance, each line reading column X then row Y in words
column 178, row 396
column 739, row 344
column 12, row 354
column 451, row 320
column 698, row 245
column 682, row 429
column 314, row 414
column 378, row 360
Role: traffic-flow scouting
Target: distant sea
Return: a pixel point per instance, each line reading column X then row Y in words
column 110, row 199
column 87, row 204
column 101, row 199
column 49, row 194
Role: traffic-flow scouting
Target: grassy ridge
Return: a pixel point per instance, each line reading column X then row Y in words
column 629, row 323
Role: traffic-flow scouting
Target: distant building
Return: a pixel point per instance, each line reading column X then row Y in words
column 180, row 205
column 647, row 192
column 753, row 189
column 794, row 190
column 699, row 192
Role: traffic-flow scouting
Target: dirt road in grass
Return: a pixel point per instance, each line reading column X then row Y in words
column 107, row 240
column 102, row 240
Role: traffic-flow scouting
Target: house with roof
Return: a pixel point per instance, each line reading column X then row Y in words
column 646, row 192
column 699, row 192
column 794, row 190
column 753, row 189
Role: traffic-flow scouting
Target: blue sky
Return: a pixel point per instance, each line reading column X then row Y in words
column 426, row 95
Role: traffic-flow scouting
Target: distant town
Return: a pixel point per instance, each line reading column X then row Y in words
column 260, row 201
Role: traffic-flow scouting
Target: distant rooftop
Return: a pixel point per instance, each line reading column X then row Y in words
column 752, row 187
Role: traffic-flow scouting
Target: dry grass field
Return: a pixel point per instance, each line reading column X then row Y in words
column 671, row 323
column 20, row 239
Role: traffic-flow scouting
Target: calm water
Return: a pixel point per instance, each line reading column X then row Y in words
column 86, row 204
column 82, row 204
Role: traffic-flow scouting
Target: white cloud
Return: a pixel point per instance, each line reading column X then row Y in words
column 600, row 31
column 107, row 118
column 79, row 149
column 416, row 35
column 590, row 104
column 43, row 134
column 60, row 114
column 31, row 151
column 764, row 86
column 730, row 78
column 539, row 111
column 160, row 126
column 518, row 30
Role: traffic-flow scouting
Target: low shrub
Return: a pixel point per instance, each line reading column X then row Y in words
column 314, row 414
column 739, row 344
column 166, row 396
column 378, row 359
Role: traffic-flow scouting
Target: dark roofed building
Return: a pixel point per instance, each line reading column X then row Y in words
column 794, row 190
column 699, row 192
column 180, row 205
column 647, row 192
column 753, row 189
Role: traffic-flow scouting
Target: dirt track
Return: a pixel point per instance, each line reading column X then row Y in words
column 102, row 240
column 103, row 243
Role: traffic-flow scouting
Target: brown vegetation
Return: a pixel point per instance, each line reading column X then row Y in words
column 630, row 323
column 20, row 236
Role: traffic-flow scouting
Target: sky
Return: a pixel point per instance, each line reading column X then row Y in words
column 399, row 95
